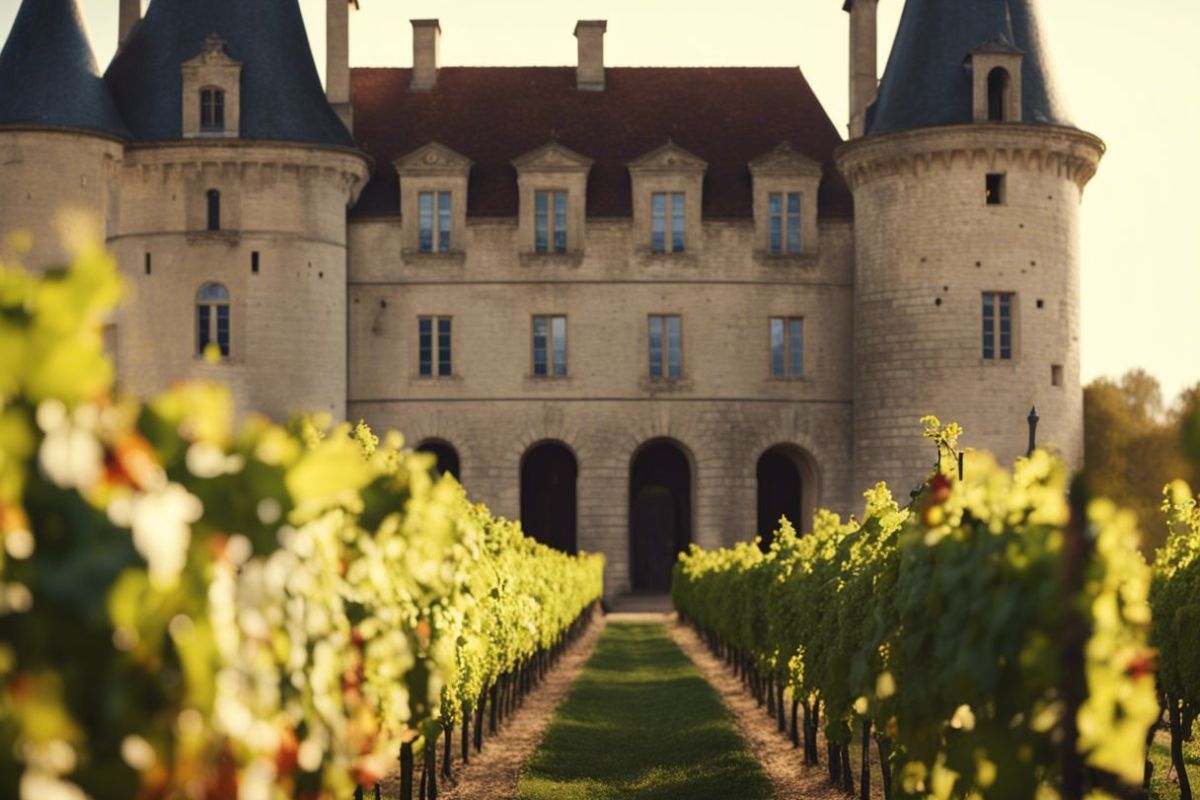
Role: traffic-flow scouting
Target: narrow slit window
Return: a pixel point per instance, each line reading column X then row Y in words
column 1056, row 375
column 212, row 319
column 254, row 262
column 549, row 346
column 214, row 210
column 149, row 265
column 995, row 189
column 998, row 326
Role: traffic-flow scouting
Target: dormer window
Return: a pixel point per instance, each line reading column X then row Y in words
column 211, row 92
column 212, row 110
column 433, row 202
column 783, row 211
column 668, row 224
column 550, row 221
column 552, row 191
column 667, row 185
column 786, row 184
column 996, row 79
column 435, row 221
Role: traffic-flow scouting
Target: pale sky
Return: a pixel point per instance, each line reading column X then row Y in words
column 1126, row 71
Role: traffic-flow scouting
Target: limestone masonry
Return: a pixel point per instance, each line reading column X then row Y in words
column 636, row 307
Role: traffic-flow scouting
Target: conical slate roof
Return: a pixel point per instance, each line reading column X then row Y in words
column 927, row 81
column 48, row 74
column 281, row 95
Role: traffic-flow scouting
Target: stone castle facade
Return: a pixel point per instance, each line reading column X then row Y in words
column 636, row 307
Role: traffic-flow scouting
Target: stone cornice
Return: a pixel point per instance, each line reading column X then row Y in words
column 1070, row 153
column 269, row 160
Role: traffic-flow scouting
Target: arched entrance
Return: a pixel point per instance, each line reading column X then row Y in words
column 447, row 456
column 786, row 485
column 660, row 514
column 548, row 474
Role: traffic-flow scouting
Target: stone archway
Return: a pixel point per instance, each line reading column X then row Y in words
column 447, row 456
column 549, row 474
column 660, row 513
column 787, row 487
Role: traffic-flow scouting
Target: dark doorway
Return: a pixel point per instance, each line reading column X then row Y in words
column 447, row 456
column 660, row 514
column 780, row 493
column 548, row 474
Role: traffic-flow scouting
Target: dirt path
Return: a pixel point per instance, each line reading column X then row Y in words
column 782, row 763
column 493, row 774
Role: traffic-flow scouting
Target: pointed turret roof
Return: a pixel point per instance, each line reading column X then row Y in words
column 928, row 81
column 281, row 95
column 48, row 74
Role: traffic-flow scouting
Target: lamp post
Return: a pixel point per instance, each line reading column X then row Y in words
column 1032, row 419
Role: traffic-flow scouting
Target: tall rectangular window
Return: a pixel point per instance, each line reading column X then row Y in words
column 668, row 222
column 434, row 217
column 787, row 347
column 666, row 346
column 997, row 325
column 783, row 219
column 550, row 221
column 212, row 111
column 549, row 346
column 433, row 346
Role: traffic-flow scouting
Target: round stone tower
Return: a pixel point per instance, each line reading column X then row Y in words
column 967, row 186
column 60, row 134
column 231, row 216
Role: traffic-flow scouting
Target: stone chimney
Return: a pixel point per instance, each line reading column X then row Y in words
column 864, row 67
column 337, row 58
column 427, row 35
column 131, row 14
column 590, row 74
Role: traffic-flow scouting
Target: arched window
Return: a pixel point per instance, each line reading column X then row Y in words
column 212, row 110
column 212, row 318
column 214, row 210
column 548, row 477
column 998, row 86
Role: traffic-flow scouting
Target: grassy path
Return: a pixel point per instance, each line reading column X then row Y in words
column 640, row 723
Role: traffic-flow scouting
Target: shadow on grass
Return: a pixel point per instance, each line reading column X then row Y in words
column 641, row 723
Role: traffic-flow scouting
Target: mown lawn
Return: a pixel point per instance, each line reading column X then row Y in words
column 641, row 724
column 1163, row 787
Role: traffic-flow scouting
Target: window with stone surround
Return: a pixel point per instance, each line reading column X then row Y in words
column 214, row 210
column 668, row 187
column 549, row 346
column 668, row 226
column 433, row 201
column 998, row 325
column 552, row 203
column 433, row 347
column 787, row 347
column 212, row 110
column 434, row 211
column 212, row 319
column 666, row 346
column 786, row 184
column 785, row 223
column 550, row 221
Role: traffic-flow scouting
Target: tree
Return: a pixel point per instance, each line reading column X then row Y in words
column 1133, row 445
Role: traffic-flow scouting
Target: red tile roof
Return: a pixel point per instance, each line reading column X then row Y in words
column 726, row 116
